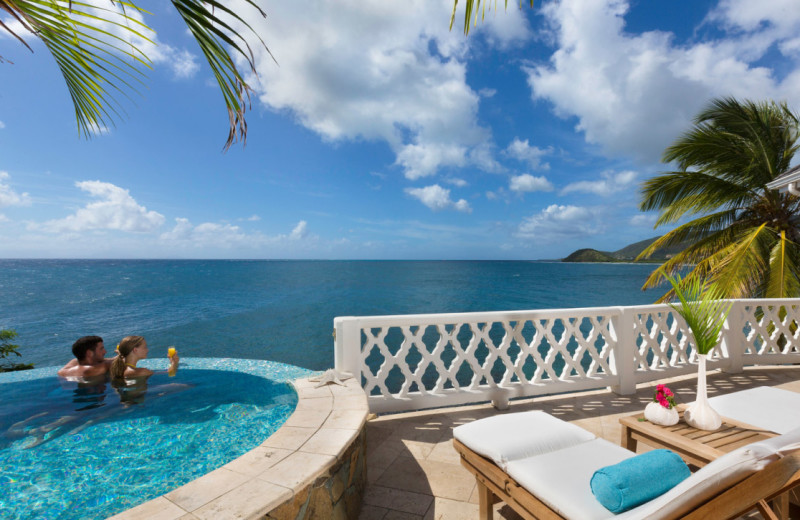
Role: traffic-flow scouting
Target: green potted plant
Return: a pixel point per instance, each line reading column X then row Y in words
column 704, row 309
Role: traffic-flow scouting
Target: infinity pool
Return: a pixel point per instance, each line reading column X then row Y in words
column 70, row 451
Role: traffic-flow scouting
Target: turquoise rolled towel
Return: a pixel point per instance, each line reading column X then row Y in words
column 638, row 479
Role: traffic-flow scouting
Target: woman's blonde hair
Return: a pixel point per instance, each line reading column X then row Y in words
column 124, row 349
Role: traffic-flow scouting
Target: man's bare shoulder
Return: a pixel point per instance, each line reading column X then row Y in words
column 67, row 369
column 83, row 370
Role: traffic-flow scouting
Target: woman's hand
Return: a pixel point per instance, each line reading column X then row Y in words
column 173, row 364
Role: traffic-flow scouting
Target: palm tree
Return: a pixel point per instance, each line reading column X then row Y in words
column 471, row 8
column 746, row 239
column 97, row 45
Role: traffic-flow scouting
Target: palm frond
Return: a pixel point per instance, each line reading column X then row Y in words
column 739, row 272
column 783, row 281
column 703, row 309
column 725, row 161
column 693, row 231
column 473, row 6
column 95, row 50
column 742, row 141
column 707, row 255
column 213, row 34
column 678, row 193
column 101, row 52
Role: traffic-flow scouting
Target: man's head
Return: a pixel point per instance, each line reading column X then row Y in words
column 89, row 349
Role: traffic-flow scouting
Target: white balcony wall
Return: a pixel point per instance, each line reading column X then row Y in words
column 412, row 362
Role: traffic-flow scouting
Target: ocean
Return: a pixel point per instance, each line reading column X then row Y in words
column 277, row 310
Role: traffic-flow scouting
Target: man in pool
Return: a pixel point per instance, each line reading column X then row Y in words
column 90, row 358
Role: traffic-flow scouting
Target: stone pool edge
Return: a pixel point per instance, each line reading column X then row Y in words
column 313, row 465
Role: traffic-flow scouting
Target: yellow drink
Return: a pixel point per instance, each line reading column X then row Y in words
column 171, row 352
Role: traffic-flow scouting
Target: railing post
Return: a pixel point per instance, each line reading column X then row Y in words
column 732, row 339
column 623, row 351
column 347, row 346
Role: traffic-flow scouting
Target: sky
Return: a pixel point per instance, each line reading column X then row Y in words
column 378, row 133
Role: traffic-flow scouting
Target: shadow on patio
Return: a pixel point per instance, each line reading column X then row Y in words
column 414, row 472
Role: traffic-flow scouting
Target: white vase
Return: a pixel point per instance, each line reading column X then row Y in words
column 700, row 414
column 657, row 414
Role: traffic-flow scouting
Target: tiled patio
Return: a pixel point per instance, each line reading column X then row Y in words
column 414, row 472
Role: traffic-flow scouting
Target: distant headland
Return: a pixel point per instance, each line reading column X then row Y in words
column 626, row 254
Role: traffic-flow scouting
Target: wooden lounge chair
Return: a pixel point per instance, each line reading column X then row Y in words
column 554, row 469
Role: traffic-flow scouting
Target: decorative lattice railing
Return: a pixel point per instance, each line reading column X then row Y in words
column 428, row 360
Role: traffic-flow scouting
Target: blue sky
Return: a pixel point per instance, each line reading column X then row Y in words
column 382, row 135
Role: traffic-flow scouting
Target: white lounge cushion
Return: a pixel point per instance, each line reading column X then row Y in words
column 722, row 473
column 766, row 407
column 514, row 436
column 561, row 478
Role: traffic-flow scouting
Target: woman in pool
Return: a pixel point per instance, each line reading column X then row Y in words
column 131, row 350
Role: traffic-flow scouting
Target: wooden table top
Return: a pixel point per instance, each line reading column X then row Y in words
column 698, row 447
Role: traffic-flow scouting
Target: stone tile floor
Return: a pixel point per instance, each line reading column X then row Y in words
column 413, row 471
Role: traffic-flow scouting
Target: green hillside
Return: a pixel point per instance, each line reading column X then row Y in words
column 626, row 254
column 589, row 255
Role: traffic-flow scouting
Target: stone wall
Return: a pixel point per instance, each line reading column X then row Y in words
column 336, row 494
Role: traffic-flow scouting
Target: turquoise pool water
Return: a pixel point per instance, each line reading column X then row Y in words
column 70, row 451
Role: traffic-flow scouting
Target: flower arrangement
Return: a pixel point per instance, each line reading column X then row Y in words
column 664, row 397
column 662, row 409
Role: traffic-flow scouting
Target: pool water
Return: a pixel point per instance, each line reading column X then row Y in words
column 70, row 451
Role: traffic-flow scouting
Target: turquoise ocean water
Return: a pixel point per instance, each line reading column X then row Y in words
column 277, row 310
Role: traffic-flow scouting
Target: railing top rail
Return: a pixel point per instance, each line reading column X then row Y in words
column 517, row 315
column 480, row 317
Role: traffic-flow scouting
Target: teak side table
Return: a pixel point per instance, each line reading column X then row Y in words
column 696, row 447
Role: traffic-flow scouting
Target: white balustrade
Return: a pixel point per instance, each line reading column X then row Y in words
column 411, row 362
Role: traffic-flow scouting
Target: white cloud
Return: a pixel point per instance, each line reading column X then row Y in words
column 523, row 151
column 557, row 221
column 633, row 94
column 182, row 62
column 487, row 92
column 300, row 231
column 226, row 236
column 253, row 218
column 207, row 234
column 455, row 181
column 644, row 219
column 9, row 197
column 778, row 16
column 97, row 129
column 527, row 182
column 438, row 198
column 116, row 210
column 377, row 70
column 608, row 184
column 2, row 125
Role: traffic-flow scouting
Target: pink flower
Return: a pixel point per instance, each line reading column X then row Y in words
column 664, row 396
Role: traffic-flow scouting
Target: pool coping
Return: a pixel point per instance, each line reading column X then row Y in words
column 326, row 422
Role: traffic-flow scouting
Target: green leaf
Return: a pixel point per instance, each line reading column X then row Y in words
column 703, row 309
column 724, row 162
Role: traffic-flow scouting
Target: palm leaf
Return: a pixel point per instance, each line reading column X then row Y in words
column 472, row 6
column 696, row 230
column 95, row 49
column 92, row 60
column 678, row 193
column 703, row 308
column 783, row 281
column 725, row 161
column 739, row 272
column 710, row 256
column 214, row 36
